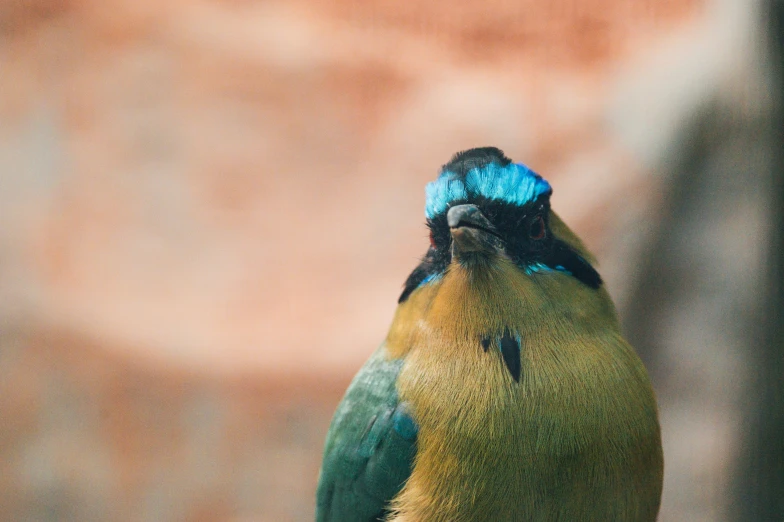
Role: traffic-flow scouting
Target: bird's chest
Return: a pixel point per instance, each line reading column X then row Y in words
column 564, row 435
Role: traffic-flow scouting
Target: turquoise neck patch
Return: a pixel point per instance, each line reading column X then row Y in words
column 514, row 183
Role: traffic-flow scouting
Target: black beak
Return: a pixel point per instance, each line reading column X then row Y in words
column 472, row 232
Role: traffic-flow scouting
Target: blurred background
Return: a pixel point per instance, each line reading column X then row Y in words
column 208, row 209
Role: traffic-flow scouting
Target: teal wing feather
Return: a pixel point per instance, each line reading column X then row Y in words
column 370, row 447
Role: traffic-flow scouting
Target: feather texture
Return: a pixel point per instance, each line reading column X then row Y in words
column 370, row 447
column 576, row 439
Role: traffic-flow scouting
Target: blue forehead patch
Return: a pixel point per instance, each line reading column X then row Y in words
column 513, row 183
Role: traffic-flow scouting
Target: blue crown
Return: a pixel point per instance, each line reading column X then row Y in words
column 514, row 183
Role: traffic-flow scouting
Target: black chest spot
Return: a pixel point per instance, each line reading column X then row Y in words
column 509, row 345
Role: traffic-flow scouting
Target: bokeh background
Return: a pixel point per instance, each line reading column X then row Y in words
column 208, row 209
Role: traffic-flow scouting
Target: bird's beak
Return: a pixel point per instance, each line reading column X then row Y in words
column 472, row 232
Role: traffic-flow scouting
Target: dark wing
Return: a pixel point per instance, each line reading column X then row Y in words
column 370, row 447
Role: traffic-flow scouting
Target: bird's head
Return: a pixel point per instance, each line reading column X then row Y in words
column 482, row 208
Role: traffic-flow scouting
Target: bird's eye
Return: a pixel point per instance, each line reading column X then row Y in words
column 432, row 241
column 536, row 229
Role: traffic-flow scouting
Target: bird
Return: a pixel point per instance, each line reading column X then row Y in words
column 504, row 390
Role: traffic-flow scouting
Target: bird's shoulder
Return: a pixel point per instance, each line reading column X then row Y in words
column 370, row 446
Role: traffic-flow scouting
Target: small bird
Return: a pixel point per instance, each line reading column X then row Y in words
column 504, row 390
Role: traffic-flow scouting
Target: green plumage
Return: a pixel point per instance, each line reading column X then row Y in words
column 370, row 447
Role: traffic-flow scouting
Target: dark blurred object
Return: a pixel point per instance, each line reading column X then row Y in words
column 696, row 314
column 760, row 481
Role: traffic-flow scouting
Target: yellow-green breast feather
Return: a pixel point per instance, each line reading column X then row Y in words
column 576, row 439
